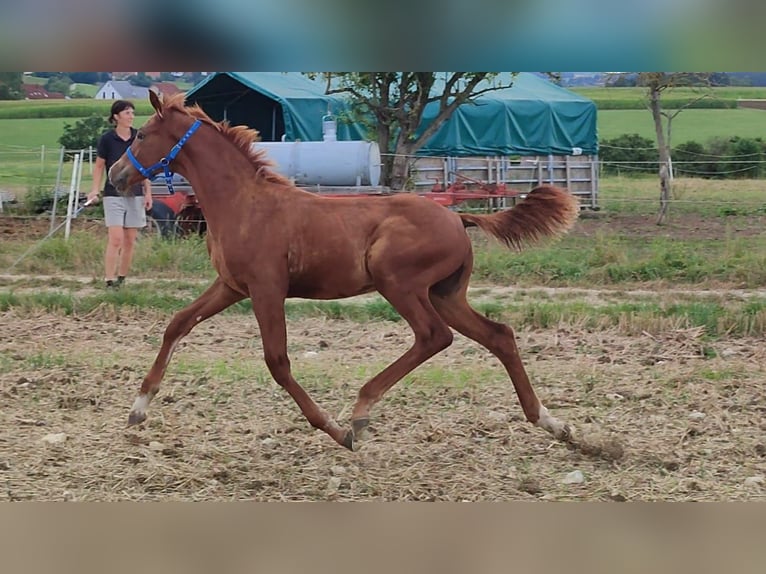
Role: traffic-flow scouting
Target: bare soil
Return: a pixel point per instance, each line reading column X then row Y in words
column 659, row 418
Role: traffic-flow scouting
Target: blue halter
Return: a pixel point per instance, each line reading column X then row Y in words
column 164, row 163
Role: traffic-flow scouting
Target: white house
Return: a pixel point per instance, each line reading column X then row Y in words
column 121, row 90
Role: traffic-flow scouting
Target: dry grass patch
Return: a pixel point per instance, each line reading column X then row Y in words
column 663, row 420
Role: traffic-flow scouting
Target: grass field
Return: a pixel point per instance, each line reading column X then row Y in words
column 689, row 125
column 693, row 124
column 637, row 96
column 33, row 133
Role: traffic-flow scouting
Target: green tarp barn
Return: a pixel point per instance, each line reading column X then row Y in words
column 533, row 117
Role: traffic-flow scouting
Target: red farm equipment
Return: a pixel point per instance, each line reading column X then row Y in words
column 178, row 214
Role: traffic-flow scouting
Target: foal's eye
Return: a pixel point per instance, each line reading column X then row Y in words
column 139, row 136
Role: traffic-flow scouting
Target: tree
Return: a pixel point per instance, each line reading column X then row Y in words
column 60, row 83
column 84, row 133
column 395, row 101
column 656, row 83
column 11, row 86
column 141, row 79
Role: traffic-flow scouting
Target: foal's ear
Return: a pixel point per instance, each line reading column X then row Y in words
column 156, row 103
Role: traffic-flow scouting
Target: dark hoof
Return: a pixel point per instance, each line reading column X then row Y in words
column 136, row 419
column 348, row 440
column 358, row 426
column 352, row 437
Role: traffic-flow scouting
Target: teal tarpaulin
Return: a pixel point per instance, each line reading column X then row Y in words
column 533, row 117
column 277, row 104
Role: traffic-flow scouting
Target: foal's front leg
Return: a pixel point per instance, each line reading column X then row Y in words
column 269, row 309
column 215, row 299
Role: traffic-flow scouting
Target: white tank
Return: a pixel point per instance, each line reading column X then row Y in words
column 329, row 163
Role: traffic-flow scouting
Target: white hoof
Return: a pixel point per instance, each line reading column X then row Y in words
column 558, row 429
column 138, row 412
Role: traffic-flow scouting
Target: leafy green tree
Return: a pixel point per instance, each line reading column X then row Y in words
column 141, row 79
column 11, row 86
column 396, row 101
column 85, row 77
column 628, row 154
column 84, row 133
column 60, row 83
column 691, row 159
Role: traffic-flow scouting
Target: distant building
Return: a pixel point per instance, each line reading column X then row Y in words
column 35, row 92
column 121, row 90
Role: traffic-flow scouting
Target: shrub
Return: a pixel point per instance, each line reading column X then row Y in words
column 628, row 154
column 690, row 159
column 84, row 133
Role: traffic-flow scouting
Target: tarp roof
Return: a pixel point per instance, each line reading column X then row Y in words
column 274, row 103
column 533, row 117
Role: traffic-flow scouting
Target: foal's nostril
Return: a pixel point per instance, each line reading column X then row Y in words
column 116, row 177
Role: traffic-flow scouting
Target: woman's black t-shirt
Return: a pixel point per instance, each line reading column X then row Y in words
column 110, row 149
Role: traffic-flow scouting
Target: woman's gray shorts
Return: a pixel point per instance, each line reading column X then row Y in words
column 124, row 211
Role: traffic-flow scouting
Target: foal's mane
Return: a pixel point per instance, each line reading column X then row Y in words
column 241, row 136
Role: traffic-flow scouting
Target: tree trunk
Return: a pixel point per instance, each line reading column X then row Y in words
column 400, row 167
column 663, row 147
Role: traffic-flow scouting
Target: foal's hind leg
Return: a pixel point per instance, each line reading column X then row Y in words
column 215, row 299
column 431, row 336
column 499, row 339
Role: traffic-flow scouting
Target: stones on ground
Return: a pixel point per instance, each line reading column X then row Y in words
column 269, row 443
column 574, row 477
column 754, row 481
column 55, row 438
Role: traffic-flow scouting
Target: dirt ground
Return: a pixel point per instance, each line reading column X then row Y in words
column 668, row 417
column 658, row 418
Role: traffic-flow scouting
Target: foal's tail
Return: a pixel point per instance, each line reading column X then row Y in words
column 546, row 211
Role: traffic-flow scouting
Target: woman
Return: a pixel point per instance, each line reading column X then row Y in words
column 123, row 216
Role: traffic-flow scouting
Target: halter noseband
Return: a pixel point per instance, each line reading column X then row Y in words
column 164, row 163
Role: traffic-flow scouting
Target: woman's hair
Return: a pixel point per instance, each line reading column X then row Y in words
column 118, row 107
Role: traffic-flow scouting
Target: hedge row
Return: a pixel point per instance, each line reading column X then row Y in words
column 67, row 109
column 668, row 103
column 719, row 158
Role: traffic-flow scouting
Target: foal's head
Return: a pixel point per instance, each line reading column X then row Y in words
column 154, row 142
column 158, row 147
